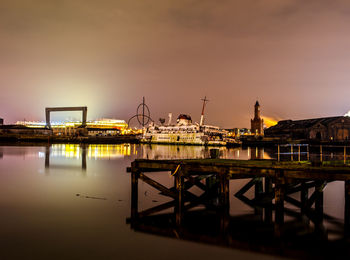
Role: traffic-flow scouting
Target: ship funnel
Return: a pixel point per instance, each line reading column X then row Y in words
column 170, row 117
column 202, row 120
column 205, row 100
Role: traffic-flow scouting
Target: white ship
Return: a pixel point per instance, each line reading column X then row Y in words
column 186, row 132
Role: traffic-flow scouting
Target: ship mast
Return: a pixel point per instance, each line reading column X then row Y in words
column 205, row 100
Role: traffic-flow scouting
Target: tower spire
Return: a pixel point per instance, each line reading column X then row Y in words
column 257, row 122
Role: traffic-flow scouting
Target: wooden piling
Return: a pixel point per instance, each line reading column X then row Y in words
column 304, row 196
column 279, row 201
column 319, row 197
column 224, row 190
column 179, row 200
column 134, row 194
column 268, row 208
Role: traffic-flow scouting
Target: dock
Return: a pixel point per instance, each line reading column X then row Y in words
column 274, row 184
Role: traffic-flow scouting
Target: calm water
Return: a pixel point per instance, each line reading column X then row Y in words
column 73, row 202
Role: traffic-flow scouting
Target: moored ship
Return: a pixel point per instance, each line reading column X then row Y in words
column 187, row 133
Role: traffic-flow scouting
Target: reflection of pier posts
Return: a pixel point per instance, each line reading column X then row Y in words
column 179, row 200
column 47, row 156
column 347, row 209
column 279, row 201
column 258, row 193
column 134, row 194
column 83, row 159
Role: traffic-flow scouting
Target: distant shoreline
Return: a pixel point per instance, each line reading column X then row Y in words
column 76, row 140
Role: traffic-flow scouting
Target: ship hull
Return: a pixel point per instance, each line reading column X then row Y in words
column 181, row 139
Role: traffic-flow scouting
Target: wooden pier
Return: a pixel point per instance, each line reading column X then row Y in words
column 274, row 183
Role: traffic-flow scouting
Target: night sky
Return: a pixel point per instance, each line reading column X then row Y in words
column 291, row 55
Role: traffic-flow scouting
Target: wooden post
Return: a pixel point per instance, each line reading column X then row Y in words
column 299, row 153
column 268, row 208
column 347, row 209
column 304, row 196
column 344, row 154
column 224, row 190
column 291, row 152
column 258, row 188
column 308, row 152
column 224, row 202
column 134, row 194
column 179, row 201
column 258, row 192
column 278, row 152
column 319, row 200
column 321, row 153
column 279, row 202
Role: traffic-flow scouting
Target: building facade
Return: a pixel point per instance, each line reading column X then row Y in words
column 257, row 123
column 317, row 129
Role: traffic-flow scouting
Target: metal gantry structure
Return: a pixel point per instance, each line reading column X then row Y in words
column 143, row 114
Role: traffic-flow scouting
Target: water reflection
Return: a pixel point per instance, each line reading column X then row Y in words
column 42, row 216
column 119, row 151
column 83, row 152
column 146, row 151
column 92, row 151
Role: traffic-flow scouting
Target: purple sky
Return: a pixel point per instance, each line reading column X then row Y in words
column 293, row 55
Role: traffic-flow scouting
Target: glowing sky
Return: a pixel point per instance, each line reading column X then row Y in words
column 293, row 55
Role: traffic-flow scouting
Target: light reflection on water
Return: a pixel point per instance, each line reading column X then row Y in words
column 115, row 151
column 71, row 201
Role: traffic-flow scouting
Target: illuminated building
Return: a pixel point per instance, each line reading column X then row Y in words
column 238, row 132
column 102, row 127
column 257, row 122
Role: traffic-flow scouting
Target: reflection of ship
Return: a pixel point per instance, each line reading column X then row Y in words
column 154, row 151
column 185, row 132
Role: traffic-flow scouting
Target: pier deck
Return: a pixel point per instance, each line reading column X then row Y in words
column 247, row 168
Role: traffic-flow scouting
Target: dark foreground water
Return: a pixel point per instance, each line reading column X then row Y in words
column 74, row 202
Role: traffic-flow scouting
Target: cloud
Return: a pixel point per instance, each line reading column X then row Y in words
column 232, row 51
